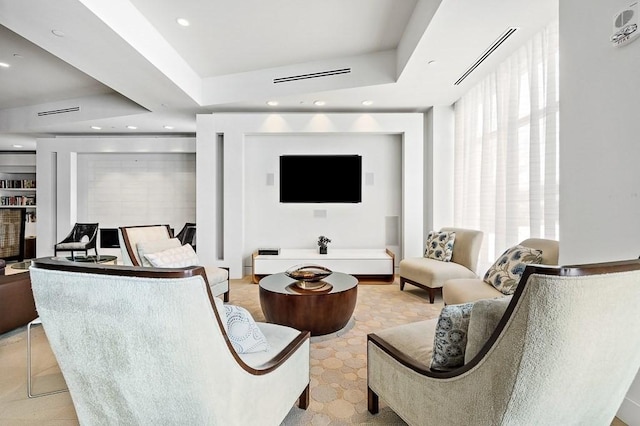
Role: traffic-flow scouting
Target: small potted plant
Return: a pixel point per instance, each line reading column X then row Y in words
column 322, row 244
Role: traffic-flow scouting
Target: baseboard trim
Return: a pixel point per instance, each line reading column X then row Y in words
column 629, row 412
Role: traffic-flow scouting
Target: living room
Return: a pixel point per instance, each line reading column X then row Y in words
column 597, row 184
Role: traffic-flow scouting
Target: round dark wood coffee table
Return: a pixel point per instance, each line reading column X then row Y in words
column 320, row 311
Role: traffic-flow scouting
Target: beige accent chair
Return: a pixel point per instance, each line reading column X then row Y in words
column 147, row 346
column 135, row 241
column 565, row 352
column 463, row 290
column 430, row 274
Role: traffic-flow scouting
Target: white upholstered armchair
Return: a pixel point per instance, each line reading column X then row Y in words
column 430, row 274
column 136, row 242
column 148, row 346
column 565, row 351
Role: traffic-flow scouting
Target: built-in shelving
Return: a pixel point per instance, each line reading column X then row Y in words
column 18, row 191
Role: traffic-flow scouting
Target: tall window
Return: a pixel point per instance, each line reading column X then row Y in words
column 506, row 150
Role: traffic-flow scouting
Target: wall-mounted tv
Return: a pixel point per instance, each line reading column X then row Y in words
column 320, row 178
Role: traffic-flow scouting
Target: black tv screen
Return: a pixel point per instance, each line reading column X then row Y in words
column 320, row 179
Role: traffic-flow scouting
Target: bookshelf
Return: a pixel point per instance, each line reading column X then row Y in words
column 18, row 191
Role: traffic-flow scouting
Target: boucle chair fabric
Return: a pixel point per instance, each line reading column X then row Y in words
column 565, row 352
column 146, row 346
column 133, row 238
column 430, row 274
column 463, row 290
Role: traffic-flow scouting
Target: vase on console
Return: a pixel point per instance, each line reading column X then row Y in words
column 322, row 244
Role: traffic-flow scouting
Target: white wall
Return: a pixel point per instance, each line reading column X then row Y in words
column 224, row 142
column 439, row 167
column 599, row 145
column 129, row 189
column 269, row 223
column 65, row 166
column 137, row 189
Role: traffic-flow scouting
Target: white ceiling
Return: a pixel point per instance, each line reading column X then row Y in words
column 127, row 62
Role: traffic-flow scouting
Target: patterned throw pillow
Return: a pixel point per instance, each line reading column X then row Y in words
column 505, row 273
column 440, row 245
column 244, row 334
column 450, row 340
column 178, row 257
column 155, row 246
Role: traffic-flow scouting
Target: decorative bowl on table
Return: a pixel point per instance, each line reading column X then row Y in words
column 308, row 276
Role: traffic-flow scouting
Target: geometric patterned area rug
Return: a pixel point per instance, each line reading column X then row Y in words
column 338, row 391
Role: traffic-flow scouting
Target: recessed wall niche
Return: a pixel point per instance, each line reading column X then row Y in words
column 268, row 222
column 136, row 189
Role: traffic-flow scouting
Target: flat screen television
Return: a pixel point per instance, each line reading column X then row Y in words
column 320, row 178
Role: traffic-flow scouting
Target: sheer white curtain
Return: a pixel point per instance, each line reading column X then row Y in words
column 506, row 150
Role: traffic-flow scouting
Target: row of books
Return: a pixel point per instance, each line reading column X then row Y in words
column 17, row 183
column 18, row 200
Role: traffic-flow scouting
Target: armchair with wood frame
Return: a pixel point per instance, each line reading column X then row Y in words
column 150, row 346
column 136, row 242
column 565, row 350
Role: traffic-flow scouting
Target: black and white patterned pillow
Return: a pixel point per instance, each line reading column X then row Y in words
column 505, row 273
column 244, row 334
column 440, row 245
column 450, row 340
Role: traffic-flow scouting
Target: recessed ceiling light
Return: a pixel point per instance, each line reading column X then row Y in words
column 168, row 127
column 96, row 127
column 57, row 33
column 367, row 103
column 319, row 103
column 17, row 56
column 272, row 103
column 182, row 21
column 132, row 127
column 15, row 145
column 431, row 62
column 4, row 65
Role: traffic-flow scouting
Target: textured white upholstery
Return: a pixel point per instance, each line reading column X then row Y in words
column 151, row 350
column 566, row 352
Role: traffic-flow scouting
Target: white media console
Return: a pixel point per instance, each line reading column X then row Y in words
column 363, row 263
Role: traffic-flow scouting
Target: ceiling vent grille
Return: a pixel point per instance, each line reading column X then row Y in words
column 311, row 75
column 58, row 111
column 508, row 33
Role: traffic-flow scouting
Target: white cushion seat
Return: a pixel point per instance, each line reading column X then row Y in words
column 74, row 245
column 414, row 340
column 278, row 337
column 216, row 275
column 463, row 290
column 433, row 273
